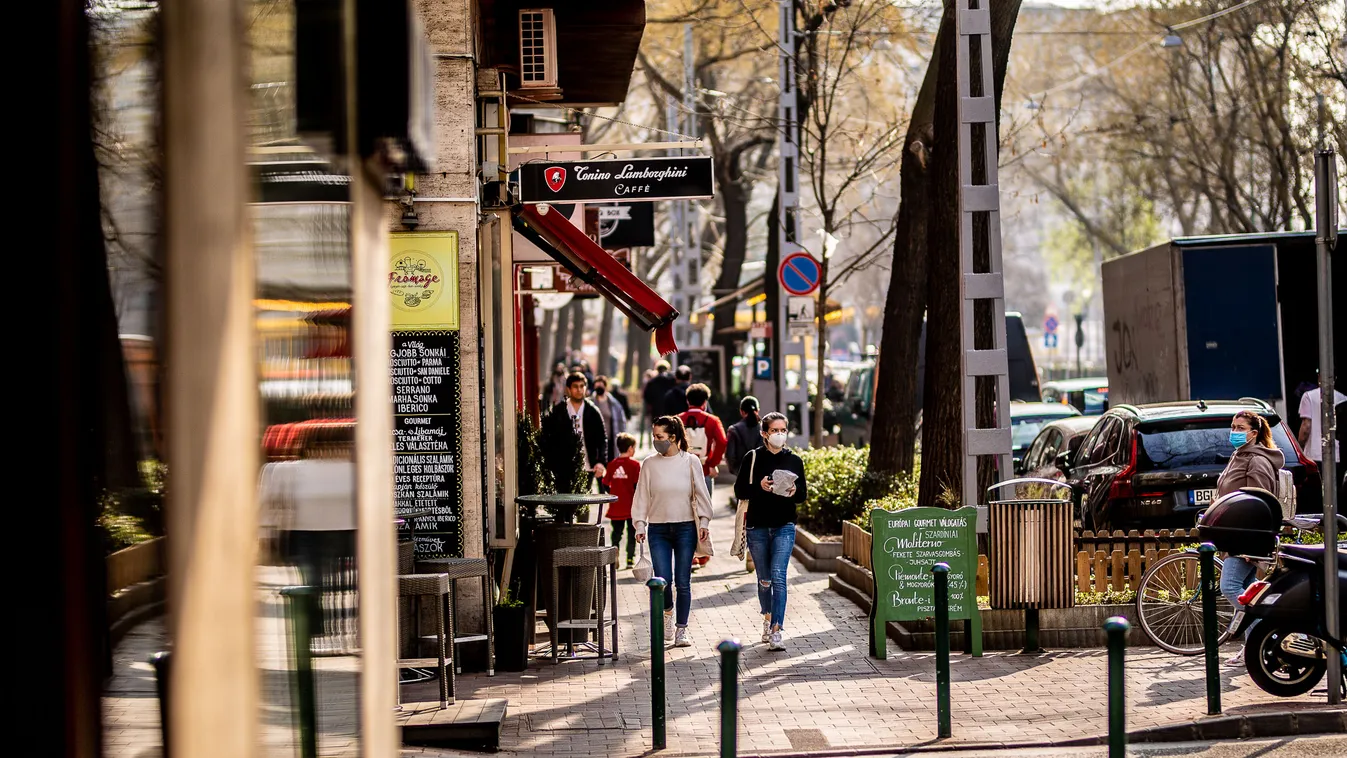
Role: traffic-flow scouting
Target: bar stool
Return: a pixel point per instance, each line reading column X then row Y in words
column 417, row 586
column 468, row 568
column 586, row 558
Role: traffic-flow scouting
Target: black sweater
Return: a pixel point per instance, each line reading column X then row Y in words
column 768, row 509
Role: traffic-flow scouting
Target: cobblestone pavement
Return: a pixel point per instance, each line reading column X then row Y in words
column 822, row 692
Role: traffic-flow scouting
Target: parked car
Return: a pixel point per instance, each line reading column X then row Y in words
column 1060, row 437
column 1155, row 466
column 1027, row 420
column 1088, row 394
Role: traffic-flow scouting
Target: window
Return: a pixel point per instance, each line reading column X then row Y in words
column 537, row 48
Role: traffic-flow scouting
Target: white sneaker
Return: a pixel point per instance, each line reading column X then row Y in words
column 668, row 625
column 767, row 628
column 774, row 641
column 1237, row 659
column 682, row 638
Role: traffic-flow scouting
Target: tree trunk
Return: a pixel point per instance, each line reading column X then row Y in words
column 734, row 196
column 605, row 358
column 577, row 325
column 942, row 422
column 893, row 427
column 561, row 337
column 546, row 336
column 821, row 350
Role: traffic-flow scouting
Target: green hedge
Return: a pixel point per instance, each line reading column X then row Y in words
column 840, row 489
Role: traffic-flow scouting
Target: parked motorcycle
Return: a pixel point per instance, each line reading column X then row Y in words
column 1284, row 613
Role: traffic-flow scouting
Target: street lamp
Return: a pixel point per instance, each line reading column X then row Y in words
column 1171, row 39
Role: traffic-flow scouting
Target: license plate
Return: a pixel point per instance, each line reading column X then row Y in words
column 1202, row 497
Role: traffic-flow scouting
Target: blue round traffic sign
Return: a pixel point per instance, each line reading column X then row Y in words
column 799, row 274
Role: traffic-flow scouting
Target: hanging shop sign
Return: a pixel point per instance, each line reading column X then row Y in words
column 427, row 439
column 905, row 545
column 623, row 225
column 643, row 179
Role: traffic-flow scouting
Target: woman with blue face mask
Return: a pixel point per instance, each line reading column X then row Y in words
column 1255, row 463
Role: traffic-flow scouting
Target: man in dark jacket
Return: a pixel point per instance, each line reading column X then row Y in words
column 578, row 417
column 676, row 399
column 655, row 389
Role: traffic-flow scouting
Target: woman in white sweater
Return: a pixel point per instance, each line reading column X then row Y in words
column 673, row 508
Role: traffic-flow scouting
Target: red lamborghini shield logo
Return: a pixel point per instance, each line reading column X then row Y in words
column 556, row 178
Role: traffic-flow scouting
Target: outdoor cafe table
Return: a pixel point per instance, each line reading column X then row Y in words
column 558, row 503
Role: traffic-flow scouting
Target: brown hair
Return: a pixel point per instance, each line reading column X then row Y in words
column 698, row 394
column 673, row 426
column 625, row 442
column 1262, row 431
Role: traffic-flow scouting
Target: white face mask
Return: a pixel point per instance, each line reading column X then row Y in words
column 777, row 439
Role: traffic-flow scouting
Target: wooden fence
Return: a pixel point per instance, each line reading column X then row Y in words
column 1104, row 561
column 135, row 564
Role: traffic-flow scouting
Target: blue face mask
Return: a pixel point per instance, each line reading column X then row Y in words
column 1239, row 438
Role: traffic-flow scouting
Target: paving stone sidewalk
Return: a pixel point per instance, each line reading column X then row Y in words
column 822, row 692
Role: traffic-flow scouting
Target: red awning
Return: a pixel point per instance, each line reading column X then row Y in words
column 571, row 248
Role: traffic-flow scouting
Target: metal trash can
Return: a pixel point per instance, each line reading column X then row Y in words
column 1032, row 545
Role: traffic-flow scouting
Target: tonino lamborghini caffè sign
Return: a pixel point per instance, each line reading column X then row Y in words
column 679, row 178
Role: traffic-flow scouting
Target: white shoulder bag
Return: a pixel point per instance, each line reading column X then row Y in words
column 740, row 543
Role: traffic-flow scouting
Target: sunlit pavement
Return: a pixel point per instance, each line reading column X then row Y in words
column 823, row 693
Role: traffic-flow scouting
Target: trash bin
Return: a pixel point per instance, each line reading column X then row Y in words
column 1032, row 546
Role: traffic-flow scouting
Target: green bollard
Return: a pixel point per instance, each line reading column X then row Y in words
column 729, row 698
column 301, row 626
column 941, row 571
column 1206, row 554
column 1116, row 628
column 657, row 586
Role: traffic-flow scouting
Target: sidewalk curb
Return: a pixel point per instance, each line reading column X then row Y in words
column 1260, row 725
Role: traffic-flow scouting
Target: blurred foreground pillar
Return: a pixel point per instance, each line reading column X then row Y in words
column 212, row 397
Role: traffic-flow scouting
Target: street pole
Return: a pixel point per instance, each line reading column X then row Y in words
column 692, row 238
column 788, row 202
column 1325, row 239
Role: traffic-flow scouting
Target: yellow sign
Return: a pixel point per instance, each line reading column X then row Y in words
column 423, row 280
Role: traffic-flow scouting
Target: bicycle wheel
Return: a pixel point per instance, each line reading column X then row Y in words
column 1169, row 604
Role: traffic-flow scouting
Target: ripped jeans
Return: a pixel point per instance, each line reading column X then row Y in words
column 771, row 548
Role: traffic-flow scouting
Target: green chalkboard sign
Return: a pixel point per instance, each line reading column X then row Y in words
column 906, row 544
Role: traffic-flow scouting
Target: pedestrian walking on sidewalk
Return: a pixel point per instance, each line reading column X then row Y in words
column 672, row 509
column 743, row 435
column 771, row 479
column 1254, row 463
column 623, row 474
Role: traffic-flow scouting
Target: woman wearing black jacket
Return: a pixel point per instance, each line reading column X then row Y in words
column 770, row 519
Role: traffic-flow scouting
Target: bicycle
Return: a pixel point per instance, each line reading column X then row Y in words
column 1169, row 598
column 1169, row 604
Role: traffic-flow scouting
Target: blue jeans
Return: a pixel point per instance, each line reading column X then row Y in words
column 771, row 548
column 671, row 549
column 1236, row 576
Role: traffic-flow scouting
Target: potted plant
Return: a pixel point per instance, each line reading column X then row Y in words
column 509, row 622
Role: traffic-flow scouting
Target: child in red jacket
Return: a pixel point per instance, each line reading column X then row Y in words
column 620, row 480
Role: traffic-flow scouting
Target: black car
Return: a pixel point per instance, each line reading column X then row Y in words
column 1155, row 466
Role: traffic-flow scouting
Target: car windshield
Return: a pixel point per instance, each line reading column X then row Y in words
column 1096, row 401
column 1023, row 430
column 1171, row 445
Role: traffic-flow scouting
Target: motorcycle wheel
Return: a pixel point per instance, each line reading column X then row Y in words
column 1272, row 665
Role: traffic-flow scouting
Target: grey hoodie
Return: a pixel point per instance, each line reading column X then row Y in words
column 1251, row 466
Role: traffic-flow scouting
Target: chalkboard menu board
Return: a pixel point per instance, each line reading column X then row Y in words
column 427, row 439
column 708, row 367
column 905, row 546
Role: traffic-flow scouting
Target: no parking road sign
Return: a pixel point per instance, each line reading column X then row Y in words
column 799, row 274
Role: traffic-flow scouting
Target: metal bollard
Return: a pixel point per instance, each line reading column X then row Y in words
column 941, row 571
column 1206, row 554
column 729, row 698
column 1116, row 628
column 161, row 662
column 657, row 586
column 301, row 602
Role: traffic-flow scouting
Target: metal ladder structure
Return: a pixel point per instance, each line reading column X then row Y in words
column 973, row 33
